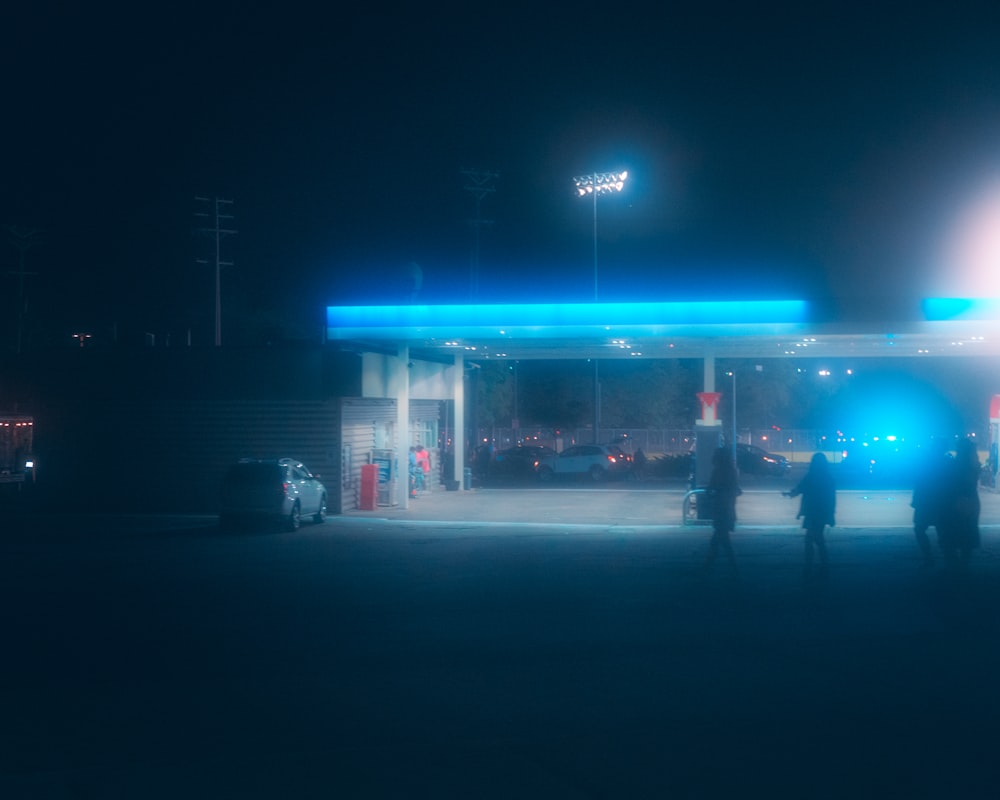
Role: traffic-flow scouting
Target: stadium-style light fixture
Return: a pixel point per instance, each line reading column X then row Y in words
column 600, row 183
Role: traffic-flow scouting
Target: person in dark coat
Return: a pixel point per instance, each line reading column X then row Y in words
column 639, row 464
column 723, row 489
column 816, row 509
column 958, row 526
column 926, row 499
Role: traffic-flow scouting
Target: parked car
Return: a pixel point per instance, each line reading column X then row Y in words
column 597, row 461
column 619, row 453
column 517, row 462
column 672, row 465
column 281, row 490
column 752, row 460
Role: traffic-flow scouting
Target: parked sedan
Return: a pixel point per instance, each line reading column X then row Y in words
column 598, row 462
column 281, row 490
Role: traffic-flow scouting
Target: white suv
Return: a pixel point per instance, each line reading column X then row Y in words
column 278, row 489
column 594, row 460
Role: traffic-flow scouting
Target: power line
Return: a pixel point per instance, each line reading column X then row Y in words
column 479, row 184
column 217, row 218
column 22, row 239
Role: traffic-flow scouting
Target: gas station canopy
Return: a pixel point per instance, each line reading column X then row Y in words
column 657, row 330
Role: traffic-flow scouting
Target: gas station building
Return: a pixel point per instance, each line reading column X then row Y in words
column 413, row 356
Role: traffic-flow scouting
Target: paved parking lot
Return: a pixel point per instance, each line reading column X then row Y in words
column 499, row 643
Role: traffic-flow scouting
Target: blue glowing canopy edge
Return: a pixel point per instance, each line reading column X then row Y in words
column 975, row 309
column 563, row 315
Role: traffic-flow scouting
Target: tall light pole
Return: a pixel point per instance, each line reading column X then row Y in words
column 595, row 184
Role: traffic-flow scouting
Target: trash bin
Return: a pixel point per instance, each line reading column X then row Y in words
column 369, row 487
column 467, row 478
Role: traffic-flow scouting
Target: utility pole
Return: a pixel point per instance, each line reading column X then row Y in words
column 479, row 183
column 22, row 239
column 216, row 218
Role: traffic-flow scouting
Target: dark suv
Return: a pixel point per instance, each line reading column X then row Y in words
column 278, row 489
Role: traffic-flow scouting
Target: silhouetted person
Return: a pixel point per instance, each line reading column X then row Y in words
column 958, row 526
column 723, row 489
column 412, row 471
column 424, row 467
column 482, row 460
column 926, row 501
column 639, row 464
column 447, row 461
column 816, row 509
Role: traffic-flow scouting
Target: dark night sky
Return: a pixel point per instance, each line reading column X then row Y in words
column 823, row 151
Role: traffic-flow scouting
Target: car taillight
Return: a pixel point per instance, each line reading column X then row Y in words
column 612, row 459
column 284, row 488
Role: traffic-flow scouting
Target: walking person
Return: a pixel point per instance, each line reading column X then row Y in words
column 723, row 489
column 958, row 527
column 926, row 499
column 639, row 464
column 816, row 509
